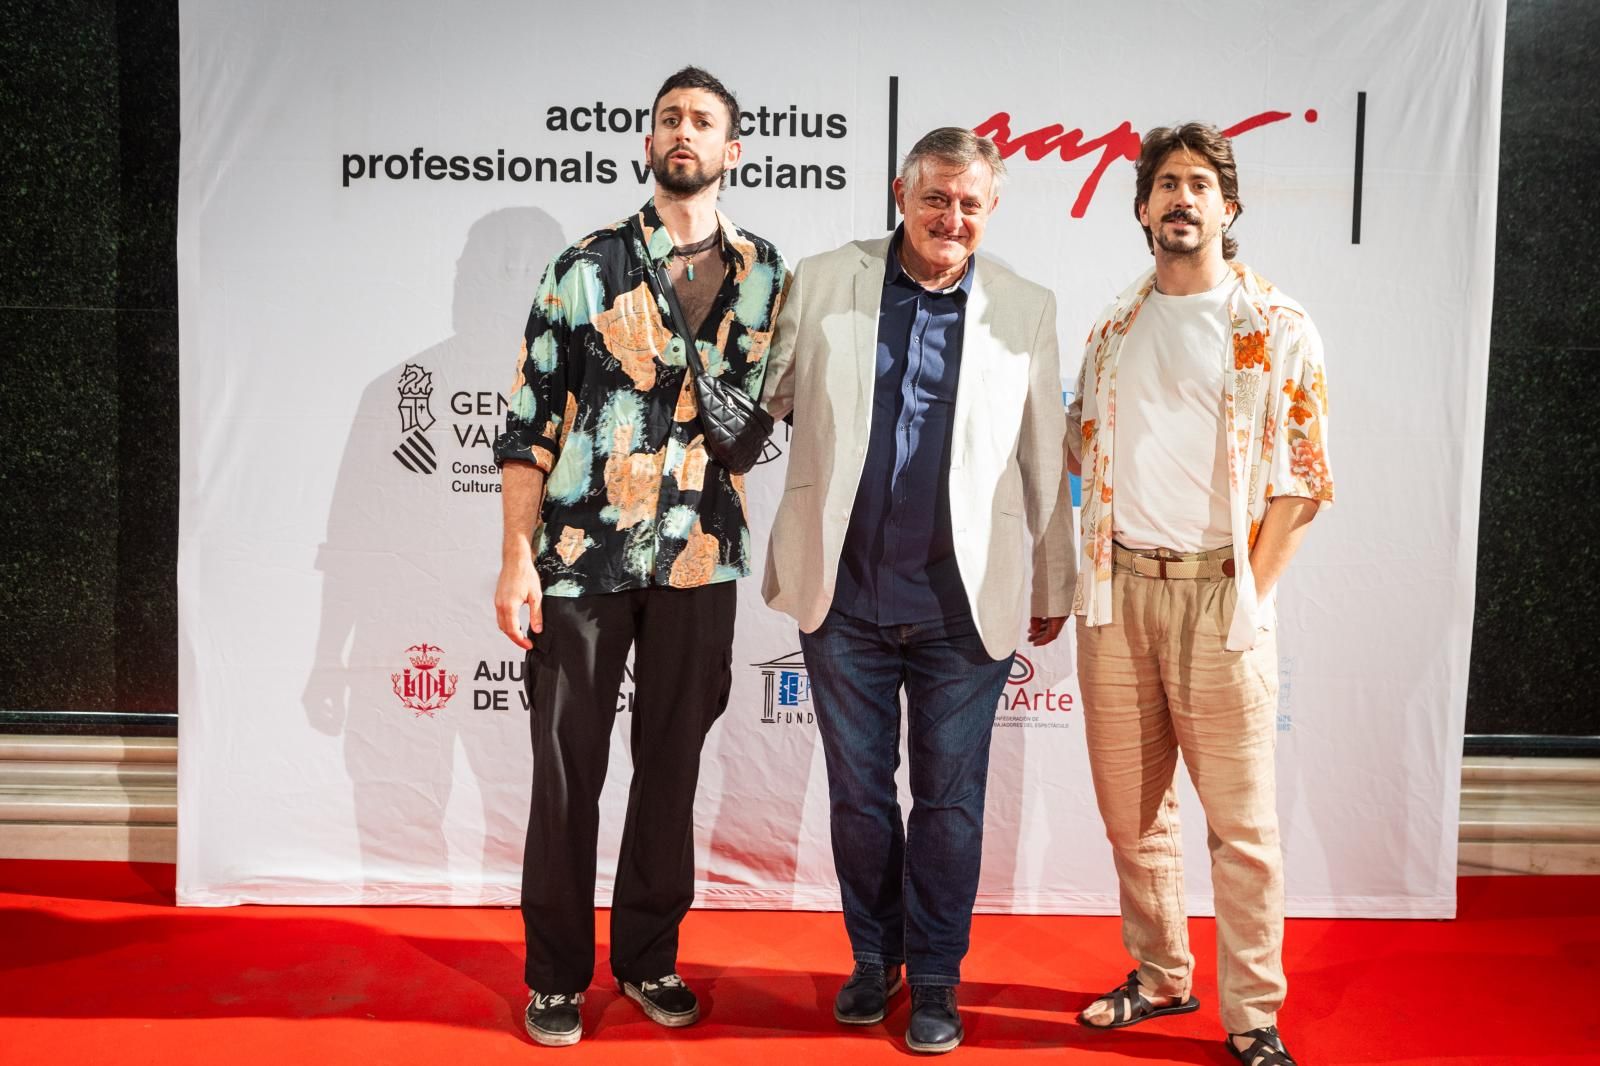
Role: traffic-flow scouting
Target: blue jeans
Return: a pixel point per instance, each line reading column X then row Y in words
column 908, row 889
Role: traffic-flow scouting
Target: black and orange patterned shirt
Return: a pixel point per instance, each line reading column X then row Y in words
column 603, row 404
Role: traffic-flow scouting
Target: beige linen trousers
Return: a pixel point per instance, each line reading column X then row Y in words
column 1156, row 679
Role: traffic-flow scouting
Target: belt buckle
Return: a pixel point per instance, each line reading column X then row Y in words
column 1162, row 556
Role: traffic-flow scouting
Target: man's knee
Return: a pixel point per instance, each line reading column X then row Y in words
column 1251, row 839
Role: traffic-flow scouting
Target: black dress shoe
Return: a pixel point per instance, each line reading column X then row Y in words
column 935, row 1025
column 553, row 1020
column 865, row 997
column 665, row 1001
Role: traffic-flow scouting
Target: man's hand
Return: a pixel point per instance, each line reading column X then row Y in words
column 521, row 494
column 1042, row 631
column 518, row 585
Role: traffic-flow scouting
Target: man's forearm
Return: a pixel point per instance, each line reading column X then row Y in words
column 1074, row 457
column 777, row 390
column 1054, row 558
column 1282, row 530
column 521, row 497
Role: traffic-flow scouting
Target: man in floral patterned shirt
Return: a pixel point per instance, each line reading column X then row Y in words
column 1199, row 428
column 621, row 532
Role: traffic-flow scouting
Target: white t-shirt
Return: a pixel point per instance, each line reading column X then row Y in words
column 1172, row 463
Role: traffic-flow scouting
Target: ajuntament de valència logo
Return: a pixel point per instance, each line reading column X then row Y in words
column 424, row 687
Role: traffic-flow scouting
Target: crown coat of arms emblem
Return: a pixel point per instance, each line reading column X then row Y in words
column 424, row 687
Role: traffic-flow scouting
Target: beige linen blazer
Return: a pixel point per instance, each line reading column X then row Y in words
column 1006, row 467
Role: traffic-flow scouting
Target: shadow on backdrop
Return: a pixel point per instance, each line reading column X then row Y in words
column 398, row 538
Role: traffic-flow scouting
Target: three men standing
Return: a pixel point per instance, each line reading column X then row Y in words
column 621, row 532
column 1200, row 427
column 926, row 460
column 924, row 384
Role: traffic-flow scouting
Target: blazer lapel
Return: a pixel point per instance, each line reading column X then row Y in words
column 867, row 301
column 976, row 345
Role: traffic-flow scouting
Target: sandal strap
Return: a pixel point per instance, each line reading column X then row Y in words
column 1266, row 1048
column 1127, row 1001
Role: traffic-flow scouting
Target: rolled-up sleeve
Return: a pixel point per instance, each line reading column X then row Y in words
column 537, row 402
column 777, row 393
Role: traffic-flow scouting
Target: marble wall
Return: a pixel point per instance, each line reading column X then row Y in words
column 89, row 332
column 88, row 328
column 1537, row 626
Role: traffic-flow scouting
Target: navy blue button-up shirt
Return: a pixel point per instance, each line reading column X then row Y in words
column 898, row 565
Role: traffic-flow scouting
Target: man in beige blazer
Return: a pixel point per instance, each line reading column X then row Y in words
column 925, row 469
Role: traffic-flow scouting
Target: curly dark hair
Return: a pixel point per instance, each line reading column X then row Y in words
column 1199, row 139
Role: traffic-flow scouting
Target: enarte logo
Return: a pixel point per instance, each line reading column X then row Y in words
column 425, row 687
column 786, row 695
column 415, row 452
column 1022, row 701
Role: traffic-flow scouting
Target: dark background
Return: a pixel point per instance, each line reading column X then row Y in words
column 89, row 400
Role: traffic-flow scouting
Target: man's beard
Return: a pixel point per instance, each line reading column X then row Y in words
column 683, row 182
column 1178, row 245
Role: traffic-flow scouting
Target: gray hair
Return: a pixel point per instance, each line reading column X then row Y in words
column 954, row 147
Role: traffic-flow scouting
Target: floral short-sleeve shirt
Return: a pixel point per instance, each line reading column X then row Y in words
column 1275, row 415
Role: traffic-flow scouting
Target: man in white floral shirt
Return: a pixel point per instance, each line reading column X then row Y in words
column 1199, row 428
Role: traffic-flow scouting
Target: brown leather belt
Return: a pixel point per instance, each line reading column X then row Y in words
column 1166, row 564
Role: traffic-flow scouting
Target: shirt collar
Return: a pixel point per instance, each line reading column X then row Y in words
column 658, row 243
column 1254, row 287
column 894, row 272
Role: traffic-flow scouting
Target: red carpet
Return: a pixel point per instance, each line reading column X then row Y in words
column 97, row 966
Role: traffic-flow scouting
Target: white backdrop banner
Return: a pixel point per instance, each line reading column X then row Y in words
column 369, row 191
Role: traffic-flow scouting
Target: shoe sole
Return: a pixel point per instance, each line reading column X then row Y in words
column 935, row 1049
column 548, row 1039
column 656, row 1014
column 873, row 1019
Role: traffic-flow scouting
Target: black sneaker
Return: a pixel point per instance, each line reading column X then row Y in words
column 666, row 1000
column 865, row 997
column 554, row 1020
column 935, row 1026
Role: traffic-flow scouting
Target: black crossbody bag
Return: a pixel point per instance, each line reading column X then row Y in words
column 736, row 427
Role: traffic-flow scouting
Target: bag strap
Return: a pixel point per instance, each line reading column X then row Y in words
column 663, row 283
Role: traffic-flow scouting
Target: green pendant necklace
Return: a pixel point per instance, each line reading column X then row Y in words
column 687, row 252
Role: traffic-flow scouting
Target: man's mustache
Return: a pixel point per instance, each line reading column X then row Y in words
column 1180, row 215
